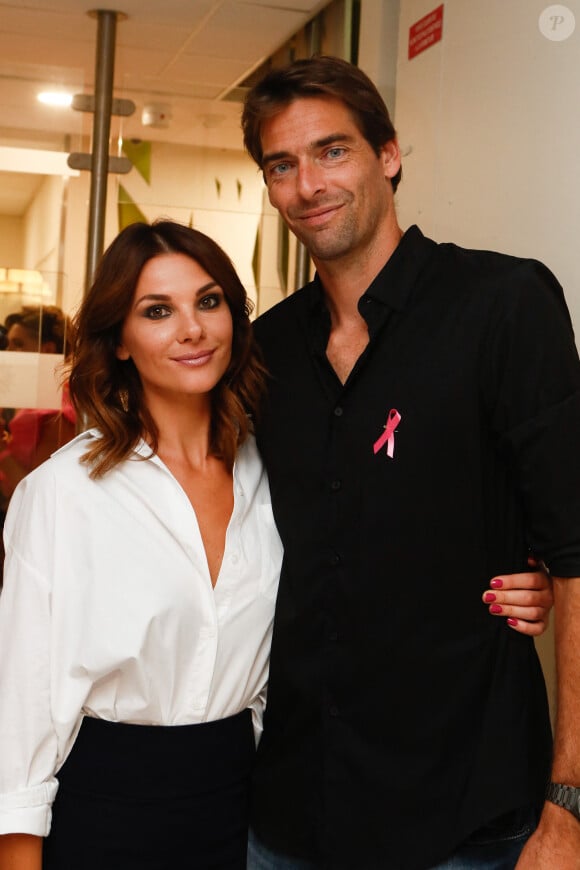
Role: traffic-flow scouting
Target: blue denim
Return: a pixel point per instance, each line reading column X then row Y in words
column 495, row 847
column 262, row 858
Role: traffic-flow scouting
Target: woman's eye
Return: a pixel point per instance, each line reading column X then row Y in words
column 212, row 300
column 157, row 312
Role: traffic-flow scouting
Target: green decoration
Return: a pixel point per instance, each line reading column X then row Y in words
column 218, row 187
column 239, row 186
column 139, row 153
column 128, row 211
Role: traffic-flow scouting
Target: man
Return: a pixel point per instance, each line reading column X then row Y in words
column 420, row 436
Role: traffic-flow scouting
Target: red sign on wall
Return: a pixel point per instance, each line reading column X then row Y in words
column 426, row 32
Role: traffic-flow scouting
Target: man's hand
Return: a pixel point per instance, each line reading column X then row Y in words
column 555, row 845
column 524, row 600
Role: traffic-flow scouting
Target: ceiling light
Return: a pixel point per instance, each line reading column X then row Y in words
column 55, row 98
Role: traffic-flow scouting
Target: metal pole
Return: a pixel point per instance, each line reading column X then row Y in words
column 104, row 73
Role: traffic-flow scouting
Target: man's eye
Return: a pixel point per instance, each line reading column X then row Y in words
column 156, row 312
column 337, row 151
column 279, row 169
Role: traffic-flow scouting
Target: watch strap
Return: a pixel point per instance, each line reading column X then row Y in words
column 566, row 796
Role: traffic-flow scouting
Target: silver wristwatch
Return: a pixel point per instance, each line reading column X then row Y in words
column 567, row 796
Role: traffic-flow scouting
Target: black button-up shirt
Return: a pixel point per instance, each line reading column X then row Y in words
column 401, row 717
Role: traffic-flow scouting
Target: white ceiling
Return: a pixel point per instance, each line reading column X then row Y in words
column 186, row 56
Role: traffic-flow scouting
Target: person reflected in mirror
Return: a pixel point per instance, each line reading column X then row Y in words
column 30, row 435
column 33, row 434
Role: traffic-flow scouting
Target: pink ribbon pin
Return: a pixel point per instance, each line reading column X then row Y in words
column 388, row 436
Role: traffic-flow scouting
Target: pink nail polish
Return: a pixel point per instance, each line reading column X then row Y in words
column 511, row 621
column 496, row 583
column 495, row 608
column 489, row 596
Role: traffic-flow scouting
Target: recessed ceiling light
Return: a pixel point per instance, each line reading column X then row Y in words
column 55, row 98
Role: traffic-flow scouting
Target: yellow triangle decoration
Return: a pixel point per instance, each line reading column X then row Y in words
column 139, row 153
column 127, row 209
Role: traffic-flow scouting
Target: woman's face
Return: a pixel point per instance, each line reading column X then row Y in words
column 179, row 329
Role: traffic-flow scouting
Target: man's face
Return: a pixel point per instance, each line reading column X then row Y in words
column 325, row 179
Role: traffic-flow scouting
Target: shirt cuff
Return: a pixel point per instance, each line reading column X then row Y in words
column 28, row 811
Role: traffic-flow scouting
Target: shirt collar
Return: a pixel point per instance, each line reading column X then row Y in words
column 393, row 285
column 395, row 281
column 388, row 292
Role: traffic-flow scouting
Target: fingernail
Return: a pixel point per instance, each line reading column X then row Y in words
column 489, row 596
column 511, row 621
column 495, row 608
column 496, row 583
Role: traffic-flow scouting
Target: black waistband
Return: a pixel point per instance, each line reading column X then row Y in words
column 119, row 759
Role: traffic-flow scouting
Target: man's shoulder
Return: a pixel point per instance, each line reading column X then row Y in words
column 493, row 275
column 493, row 264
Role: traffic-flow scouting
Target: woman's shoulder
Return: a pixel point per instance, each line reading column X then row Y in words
column 63, row 467
column 71, row 452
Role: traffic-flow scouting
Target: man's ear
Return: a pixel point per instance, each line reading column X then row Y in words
column 391, row 158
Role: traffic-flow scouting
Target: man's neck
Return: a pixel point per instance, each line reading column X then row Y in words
column 346, row 279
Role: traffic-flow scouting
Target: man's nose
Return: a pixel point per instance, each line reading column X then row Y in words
column 310, row 179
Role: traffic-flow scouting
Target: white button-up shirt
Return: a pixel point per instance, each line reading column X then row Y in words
column 108, row 610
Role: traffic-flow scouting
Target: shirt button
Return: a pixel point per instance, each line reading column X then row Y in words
column 234, row 559
column 338, row 412
column 336, row 485
column 333, row 711
column 335, row 559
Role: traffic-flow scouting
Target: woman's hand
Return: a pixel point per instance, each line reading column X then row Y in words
column 524, row 600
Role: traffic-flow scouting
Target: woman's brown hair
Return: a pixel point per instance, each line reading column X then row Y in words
column 107, row 392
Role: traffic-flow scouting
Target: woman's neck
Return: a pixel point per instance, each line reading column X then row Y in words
column 183, row 430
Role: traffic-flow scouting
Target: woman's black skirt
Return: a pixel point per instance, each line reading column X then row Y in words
column 141, row 797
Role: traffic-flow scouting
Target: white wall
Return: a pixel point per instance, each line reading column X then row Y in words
column 491, row 118
column 11, row 241
column 42, row 228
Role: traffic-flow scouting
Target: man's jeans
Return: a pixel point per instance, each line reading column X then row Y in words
column 496, row 847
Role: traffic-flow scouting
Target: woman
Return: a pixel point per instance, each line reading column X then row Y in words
column 142, row 570
column 142, row 567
